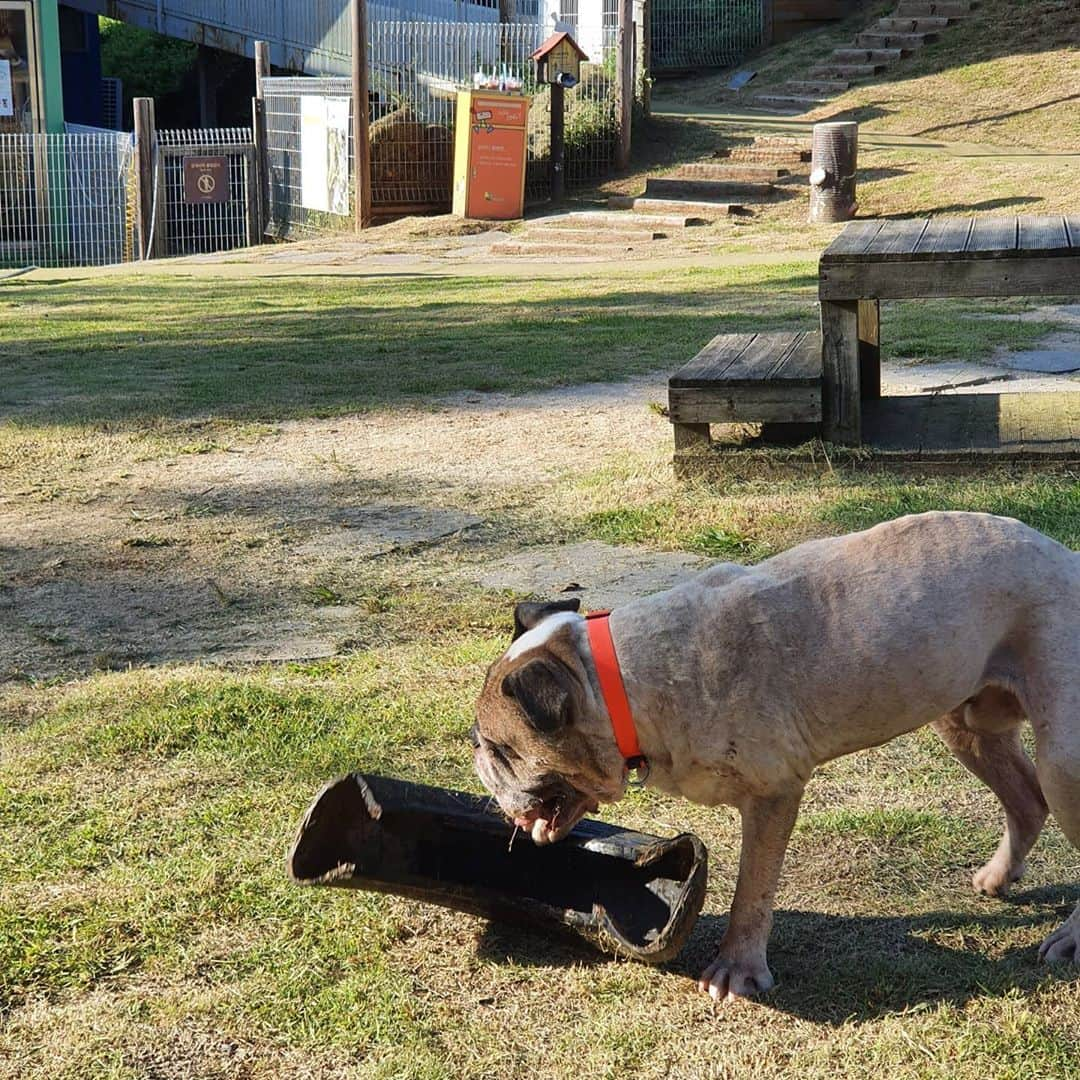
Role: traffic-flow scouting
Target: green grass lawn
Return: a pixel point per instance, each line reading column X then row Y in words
column 146, row 926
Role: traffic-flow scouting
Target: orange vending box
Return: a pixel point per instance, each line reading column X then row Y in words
column 490, row 150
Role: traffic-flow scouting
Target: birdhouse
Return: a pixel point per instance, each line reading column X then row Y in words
column 558, row 60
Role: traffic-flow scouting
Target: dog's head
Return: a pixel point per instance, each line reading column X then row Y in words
column 542, row 742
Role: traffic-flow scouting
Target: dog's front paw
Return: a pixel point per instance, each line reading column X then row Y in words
column 1063, row 945
column 995, row 878
column 728, row 978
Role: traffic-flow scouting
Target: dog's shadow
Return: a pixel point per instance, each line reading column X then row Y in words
column 837, row 968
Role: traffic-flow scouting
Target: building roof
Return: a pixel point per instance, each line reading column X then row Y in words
column 553, row 42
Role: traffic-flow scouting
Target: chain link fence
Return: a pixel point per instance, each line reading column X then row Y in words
column 66, row 200
column 415, row 71
column 704, row 33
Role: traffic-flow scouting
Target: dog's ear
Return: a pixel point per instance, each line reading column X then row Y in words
column 543, row 690
column 529, row 614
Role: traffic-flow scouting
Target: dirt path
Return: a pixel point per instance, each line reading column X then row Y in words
column 238, row 554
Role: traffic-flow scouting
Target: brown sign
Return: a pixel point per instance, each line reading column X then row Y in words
column 206, row 179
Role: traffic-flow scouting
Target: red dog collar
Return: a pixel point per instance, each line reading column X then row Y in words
column 613, row 690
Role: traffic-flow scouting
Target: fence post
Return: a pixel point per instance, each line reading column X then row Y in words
column 643, row 43
column 767, row 23
column 262, row 169
column 558, row 142
column 361, row 139
column 624, row 82
column 262, row 66
column 145, row 149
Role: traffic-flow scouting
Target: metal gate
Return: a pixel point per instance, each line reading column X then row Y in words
column 187, row 221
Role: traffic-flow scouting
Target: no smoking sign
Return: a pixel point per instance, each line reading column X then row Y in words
column 206, row 179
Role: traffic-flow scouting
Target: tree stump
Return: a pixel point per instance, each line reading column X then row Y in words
column 834, row 162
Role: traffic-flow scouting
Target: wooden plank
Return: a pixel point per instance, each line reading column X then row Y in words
column 1033, row 276
column 760, row 357
column 711, row 363
column 896, row 239
column 802, row 362
column 855, row 238
column 763, row 404
column 1072, row 223
column 841, row 405
column 869, row 349
column 944, row 235
column 993, row 234
column 1042, row 232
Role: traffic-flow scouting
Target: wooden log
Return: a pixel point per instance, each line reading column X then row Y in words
column 262, row 66
column 361, row 118
column 558, row 142
column 624, row 76
column 834, row 161
column 146, row 152
column 622, row 891
column 840, row 396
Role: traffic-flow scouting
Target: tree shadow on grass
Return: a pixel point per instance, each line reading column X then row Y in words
column 835, row 968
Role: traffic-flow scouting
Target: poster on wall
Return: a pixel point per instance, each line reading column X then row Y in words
column 7, row 93
column 324, row 154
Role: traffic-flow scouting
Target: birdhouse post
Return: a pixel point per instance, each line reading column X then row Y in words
column 558, row 63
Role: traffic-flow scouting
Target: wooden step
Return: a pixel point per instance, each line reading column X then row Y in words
column 829, row 70
column 527, row 247
column 747, row 378
column 927, row 24
column 918, row 9
column 616, row 220
column 709, row 170
column 707, row 190
column 768, row 155
column 781, row 142
column 789, row 101
column 812, row 87
column 556, row 234
column 866, row 56
column 707, row 211
column 871, row 39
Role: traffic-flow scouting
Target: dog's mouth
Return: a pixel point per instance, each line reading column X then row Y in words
column 552, row 819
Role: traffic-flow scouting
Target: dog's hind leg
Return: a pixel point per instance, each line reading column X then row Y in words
column 1059, row 773
column 984, row 736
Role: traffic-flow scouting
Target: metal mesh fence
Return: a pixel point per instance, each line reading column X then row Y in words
column 415, row 71
column 182, row 225
column 64, row 199
column 704, row 33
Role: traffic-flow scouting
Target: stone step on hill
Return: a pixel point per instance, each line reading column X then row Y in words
column 733, row 182
column 912, row 25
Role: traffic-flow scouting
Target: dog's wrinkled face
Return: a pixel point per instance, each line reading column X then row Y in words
column 542, row 743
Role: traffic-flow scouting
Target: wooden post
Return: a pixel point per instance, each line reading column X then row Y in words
column 624, row 82
column 835, row 160
column 361, row 139
column 262, row 168
column 558, row 143
column 840, row 396
column 643, row 44
column 767, row 23
column 869, row 349
column 262, row 66
column 145, row 147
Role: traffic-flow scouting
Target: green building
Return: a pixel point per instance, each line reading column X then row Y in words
column 31, row 84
